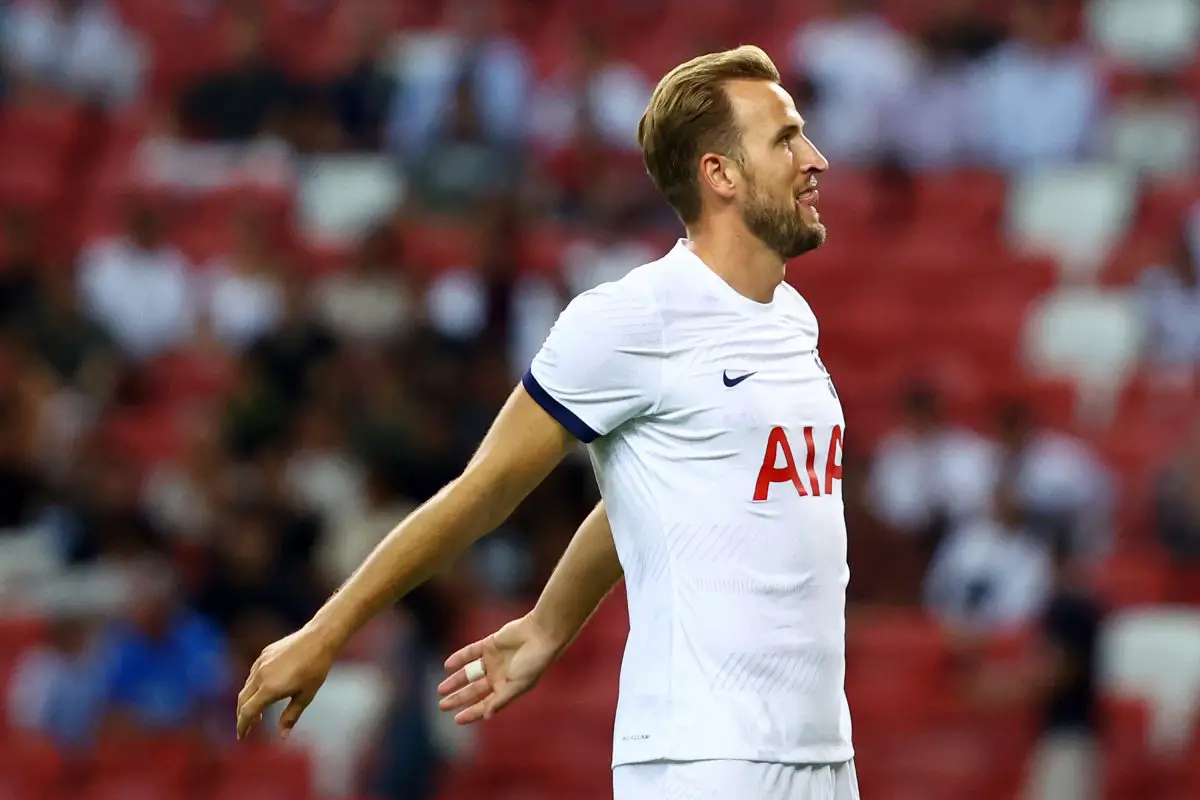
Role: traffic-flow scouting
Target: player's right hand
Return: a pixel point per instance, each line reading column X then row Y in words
column 514, row 658
column 293, row 668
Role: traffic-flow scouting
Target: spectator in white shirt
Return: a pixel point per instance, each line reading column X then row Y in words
column 1037, row 98
column 370, row 302
column 991, row 573
column 928, row 475
column 612, row 94
column 496, row 301
column 858, row 66
column 77, row 47
column 952, row 43
column 1065, row 492
column 138, row 287
column 243, row 296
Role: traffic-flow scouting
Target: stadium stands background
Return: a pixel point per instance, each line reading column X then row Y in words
column 270, row 267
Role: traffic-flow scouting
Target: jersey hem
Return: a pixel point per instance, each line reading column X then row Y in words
column 834, row 754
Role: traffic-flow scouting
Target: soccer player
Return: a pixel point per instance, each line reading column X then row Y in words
column 715, row 433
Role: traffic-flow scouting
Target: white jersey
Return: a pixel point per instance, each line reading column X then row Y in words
column 715, row 433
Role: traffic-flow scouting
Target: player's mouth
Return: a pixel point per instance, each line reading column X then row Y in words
column 809, row 196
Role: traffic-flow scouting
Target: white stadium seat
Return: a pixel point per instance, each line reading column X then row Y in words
column 1159, row 140
column 1146, row 33
column 1154, row 653
column 1073, row 213
column 1092, row 336
column 340, row 196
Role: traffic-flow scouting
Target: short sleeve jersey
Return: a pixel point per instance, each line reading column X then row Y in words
column 716, row 436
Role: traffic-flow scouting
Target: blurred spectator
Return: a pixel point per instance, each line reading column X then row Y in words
column 321, row 476
column 592, row 89
column 496, row 300
column 352, row 538
column 249, row 593
column 243, row 297
column 74, row 48
column 256, row 414
column 58, row 688
column 250, row 97
column 138, row 286
column 20, row 265
column 991, row 573
column 473, row 74
column 953, row 41
column 928, row 474
column 363, row 95
column 104, row 520
column 1037, row 98
column 79, row 351
column 1170, row 298
column 858, row 65
column 606, row 248
column 184, row 496
column 961, row 30
column 167, row 665
column 1177, row 501
column 1065, row 492
column 463, row 166
column 298, row 527
column 291, row 359
column 370, row 302
column 1059, row 677
column 23, row 492
column 411, row 749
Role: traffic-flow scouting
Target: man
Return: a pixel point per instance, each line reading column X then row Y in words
column 716, row 436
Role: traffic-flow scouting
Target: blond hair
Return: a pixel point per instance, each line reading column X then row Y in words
column 690, row 114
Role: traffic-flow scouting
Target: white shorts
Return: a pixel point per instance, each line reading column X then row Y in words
column 734, row 780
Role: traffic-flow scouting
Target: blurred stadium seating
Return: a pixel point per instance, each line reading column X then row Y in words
column 1019, row 285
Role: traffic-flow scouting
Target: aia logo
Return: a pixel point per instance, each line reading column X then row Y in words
column 779, row 448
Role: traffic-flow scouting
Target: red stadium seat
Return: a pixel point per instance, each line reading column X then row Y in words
column 267, row 772
column 1128, row 581
column 30, row 766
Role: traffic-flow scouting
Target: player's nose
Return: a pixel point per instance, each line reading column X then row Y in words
column 811, row 159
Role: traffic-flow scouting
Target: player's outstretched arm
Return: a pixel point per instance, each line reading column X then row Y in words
column 514, row 657
column 524, row 444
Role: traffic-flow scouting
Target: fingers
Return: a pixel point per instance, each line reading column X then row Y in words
column 468, row 695
column 291, row 714
column 471, row 715
column 465, row 656
column 454, row 682
column 250, row 711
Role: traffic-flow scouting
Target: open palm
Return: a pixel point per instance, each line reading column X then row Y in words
column 514, row 658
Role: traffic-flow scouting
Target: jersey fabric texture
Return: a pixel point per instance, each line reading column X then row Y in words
column 715, row 434
column 734, row 780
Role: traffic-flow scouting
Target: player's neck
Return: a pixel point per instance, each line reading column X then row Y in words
column 740, row 259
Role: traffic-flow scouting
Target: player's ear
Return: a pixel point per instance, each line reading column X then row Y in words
column 720, row 173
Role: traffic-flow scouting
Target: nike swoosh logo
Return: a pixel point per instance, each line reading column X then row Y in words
column 731, row 382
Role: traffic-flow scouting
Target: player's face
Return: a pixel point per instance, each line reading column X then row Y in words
column 781, row 169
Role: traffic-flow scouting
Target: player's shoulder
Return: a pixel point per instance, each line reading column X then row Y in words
column 637, row 294
column 622, row 313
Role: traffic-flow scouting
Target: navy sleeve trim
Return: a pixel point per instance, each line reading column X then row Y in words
column 578, row 428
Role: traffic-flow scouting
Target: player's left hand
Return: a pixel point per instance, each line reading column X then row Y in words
column 513, row 660
column 291, row 669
